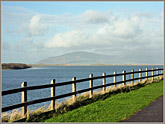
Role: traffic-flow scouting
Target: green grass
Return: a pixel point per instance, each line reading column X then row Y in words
column 115, row 108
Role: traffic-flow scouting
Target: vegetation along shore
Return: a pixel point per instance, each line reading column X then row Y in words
column 101, row 108
column 12, row 66
column 115, row 108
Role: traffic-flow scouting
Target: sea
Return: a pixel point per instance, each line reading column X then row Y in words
column 41, row 75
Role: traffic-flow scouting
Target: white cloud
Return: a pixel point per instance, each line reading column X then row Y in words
column 94, row 17
column 37, row 27
column 119, row 31
column 127, row 28
column 67, row 39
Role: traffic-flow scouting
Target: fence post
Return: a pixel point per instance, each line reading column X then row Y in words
column 147, row 73
column 132, row 76
column 53, row 95
column 157, row 71
column 152, row 74
column 24, row 99
column 91, row 86
column 74, row 88
column 114, row 79
column 162, row 70
column 104, row 82
column 140, row 75
column 124, row 78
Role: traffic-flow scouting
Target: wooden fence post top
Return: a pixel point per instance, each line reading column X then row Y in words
column 91, row 75
column 53, row 81
column 104, row 74
column 140, row 69
column 114, row 72
column 124, row 71
column 24, row 84
column 74, row 78
column 157, row 69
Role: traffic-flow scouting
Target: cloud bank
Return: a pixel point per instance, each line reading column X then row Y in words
column 137, row 36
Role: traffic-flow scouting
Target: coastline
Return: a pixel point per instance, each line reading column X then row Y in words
column 33, row 65
column 16, row 69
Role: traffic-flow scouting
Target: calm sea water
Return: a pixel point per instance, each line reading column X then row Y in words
column 43, row 75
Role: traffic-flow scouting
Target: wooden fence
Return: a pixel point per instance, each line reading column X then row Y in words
column 24, row 88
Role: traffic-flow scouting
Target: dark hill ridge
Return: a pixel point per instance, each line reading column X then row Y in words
column 80, row 58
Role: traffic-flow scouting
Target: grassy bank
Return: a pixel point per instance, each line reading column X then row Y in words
column 111, row 97
column 115, row 108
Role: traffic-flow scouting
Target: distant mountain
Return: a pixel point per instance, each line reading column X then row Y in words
column 81, row 58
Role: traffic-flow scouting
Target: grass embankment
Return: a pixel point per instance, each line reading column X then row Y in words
column 43, row 113
column 115, row 108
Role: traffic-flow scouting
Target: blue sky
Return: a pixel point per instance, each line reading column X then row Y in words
column 32, row 31
column 78, row 7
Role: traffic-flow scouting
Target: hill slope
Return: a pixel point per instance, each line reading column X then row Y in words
column 79, row 58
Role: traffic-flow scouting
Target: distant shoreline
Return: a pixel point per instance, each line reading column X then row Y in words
column 18, row 66
column 91, row 64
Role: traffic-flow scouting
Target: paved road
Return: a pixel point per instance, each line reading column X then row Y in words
column 151, row 113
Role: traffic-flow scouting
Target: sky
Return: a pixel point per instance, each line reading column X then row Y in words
column 32, row 31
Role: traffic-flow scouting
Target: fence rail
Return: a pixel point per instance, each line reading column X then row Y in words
column 74, row 92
